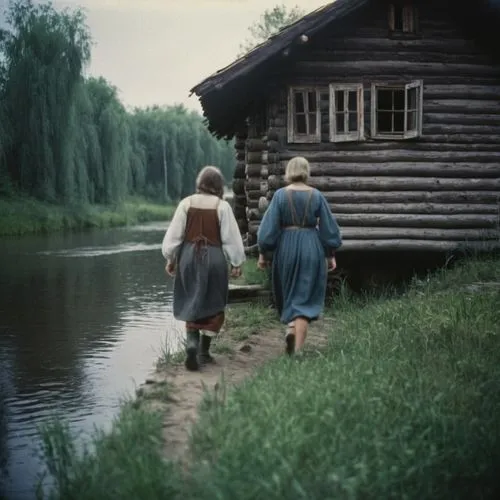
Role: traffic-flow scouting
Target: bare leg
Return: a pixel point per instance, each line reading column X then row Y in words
column 301, row 326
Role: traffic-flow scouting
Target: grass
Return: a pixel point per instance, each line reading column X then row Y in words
column 251, row 275
column 403, row 404
column 22, row 215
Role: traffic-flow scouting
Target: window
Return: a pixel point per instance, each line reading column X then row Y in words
column 402, row 19
column 396, row 110
column 304, row 117
column 346, row 113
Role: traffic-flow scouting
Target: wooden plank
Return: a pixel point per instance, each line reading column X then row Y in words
column 469, row 106
column 330, row 183
column 412, row 169
column 415, row 208
column 418, row 69
column 384, row 233
column 419, row 245
column 462, row 91
column 458, row 118
column 416, row 196
column 419, row 220
column 397, row 155
column 384, row 43
column 347, row 55
column 381, row 145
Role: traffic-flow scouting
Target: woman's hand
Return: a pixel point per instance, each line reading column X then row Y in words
column 331, row 264
column 262, row 262
column 235, row 272
column 170, row 268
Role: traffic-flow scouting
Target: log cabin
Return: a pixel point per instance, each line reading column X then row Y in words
column 396, row 105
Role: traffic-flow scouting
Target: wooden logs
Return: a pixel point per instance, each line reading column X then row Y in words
column 254, row 157
column 263, row 204
column 414, row 208
column 255, row 145
column 412, row 169
column 239, row 170
column 397, row 155
column 239, row 186
column 382, row 233
column 395, row 183
column 472, row 221
column 431, row 143
column 252, row 171
column 416, row 196
column 419, row 245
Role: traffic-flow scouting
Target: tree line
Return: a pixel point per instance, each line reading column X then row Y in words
column 67, row 138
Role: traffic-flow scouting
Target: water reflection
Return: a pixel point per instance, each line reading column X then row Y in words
column 82, row 318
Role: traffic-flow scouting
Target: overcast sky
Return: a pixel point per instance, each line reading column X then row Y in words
column 155, row 51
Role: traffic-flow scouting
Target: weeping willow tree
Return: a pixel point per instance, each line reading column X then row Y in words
column 45, row 53
column 69, row 139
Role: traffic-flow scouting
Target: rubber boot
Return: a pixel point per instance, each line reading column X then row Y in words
column 205, row 356
column 192, row 342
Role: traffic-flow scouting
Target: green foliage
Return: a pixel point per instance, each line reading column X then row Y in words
column 66, row 138
column 269, row 23
column 20, row 216
column 403, row 403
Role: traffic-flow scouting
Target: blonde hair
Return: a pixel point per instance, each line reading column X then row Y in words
column 297, row 170
column 210, row 181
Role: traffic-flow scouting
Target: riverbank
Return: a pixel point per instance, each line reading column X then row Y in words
column 20, row 216
column 395, row 397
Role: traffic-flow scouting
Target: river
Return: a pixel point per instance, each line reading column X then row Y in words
column 83, row 318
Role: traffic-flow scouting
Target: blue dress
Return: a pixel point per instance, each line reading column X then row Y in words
column 300, row 229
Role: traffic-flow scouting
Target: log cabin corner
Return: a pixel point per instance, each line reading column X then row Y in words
column 396, row 105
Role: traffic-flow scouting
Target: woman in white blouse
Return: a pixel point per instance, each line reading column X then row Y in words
column 202, row 237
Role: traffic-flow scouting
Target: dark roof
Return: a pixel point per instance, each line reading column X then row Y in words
column 227, row 95
column 215, row 90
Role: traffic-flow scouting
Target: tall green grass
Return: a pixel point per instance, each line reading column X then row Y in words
column 20, row 216
column 403, row 404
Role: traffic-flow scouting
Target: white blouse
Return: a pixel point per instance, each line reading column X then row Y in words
column 232, row 244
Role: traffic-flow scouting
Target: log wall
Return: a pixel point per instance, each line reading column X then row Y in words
column 240, row 200
column 435, row 192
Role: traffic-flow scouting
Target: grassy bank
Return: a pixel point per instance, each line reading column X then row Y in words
column 403, row 403
column 20, row 216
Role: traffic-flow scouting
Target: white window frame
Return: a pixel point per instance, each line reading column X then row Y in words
column 357, row 135
column 293, row 136
column 405, row 134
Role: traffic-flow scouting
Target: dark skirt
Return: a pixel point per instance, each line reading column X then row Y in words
column 201, row 286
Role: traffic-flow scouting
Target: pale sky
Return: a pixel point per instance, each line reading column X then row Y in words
column 155, row 51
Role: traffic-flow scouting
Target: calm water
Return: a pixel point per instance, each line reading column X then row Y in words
column 82, row 321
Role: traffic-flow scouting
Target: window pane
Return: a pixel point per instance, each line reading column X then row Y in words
column 312, row 101
column 339, row 123
column 353, row 122
column 339, row 100
column 312, row 123
column 411, row 121
column 353, row 100
column 412, row 98
column 398, row 18
column 399, row 121
column 384, row 121
column 299, row 102
column 300, row 124
column 399, row 99
column 384, row 99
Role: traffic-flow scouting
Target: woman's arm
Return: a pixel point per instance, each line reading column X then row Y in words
column 270, row 227
column 232, row 244
column 174, row 236
column 329, row 231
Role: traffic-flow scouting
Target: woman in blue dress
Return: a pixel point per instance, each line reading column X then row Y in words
column 301, row 231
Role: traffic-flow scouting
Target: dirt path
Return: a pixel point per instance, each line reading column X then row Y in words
column 178, row 392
